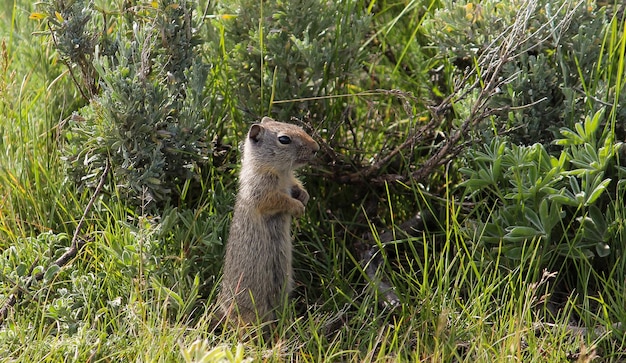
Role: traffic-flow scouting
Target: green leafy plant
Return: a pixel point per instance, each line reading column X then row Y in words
column 294, row 51
column 561, row 202
column 201, row 352
column 147, row 88
column 547, row 79
column 142, row 287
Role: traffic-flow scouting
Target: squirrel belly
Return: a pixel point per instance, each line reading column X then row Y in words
column 257, row 266
column 259, row 273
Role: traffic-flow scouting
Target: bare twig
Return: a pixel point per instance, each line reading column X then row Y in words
column 75, row 247
column 490, row 64
column 488, row 79
column 372, row 261
column 377, row 279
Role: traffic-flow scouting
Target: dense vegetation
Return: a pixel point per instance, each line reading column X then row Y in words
column 466, row 204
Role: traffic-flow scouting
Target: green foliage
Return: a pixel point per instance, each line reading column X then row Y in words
column 69, row 22
column 201, row 352
column 149, row 118
column 294, row 51
column 160, row 82
column 562, row 203
column 545, row 84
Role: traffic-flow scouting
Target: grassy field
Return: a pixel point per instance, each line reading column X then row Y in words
column 142, row 286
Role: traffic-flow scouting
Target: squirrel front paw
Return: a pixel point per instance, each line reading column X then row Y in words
column 300, row 194
column 298, row 211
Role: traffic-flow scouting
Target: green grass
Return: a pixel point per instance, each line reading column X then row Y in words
column 142, row 290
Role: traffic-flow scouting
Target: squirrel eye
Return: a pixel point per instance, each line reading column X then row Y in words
column 284, row 140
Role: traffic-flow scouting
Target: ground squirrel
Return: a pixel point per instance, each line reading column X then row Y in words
column 257, row 266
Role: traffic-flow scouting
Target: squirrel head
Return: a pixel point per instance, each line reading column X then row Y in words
column 279, row 146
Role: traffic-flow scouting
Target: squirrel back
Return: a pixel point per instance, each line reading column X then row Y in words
column 257, row 267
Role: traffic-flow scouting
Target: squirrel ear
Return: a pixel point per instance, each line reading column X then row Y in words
column 266, row 119
column 255, row 133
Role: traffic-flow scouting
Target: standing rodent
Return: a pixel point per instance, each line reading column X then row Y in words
column 257, row 267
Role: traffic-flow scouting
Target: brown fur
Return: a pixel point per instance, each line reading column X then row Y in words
column 257, row 267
